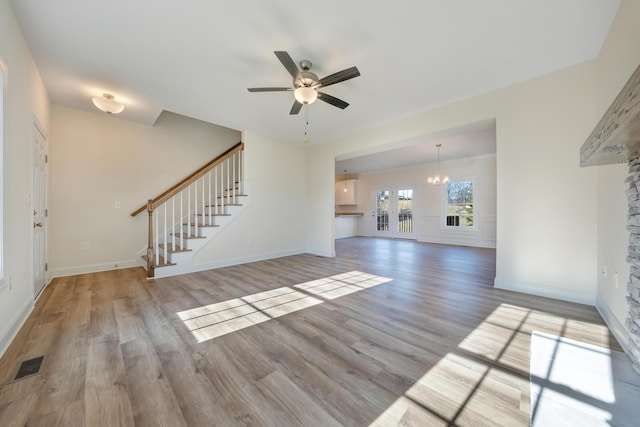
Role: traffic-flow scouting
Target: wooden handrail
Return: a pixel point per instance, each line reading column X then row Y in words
column 184, row 183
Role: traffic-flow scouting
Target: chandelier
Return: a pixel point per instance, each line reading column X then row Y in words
column 438, row 179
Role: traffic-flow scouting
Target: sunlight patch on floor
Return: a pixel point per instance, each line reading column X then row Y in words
column 582, row 384
column 342, row 284
column 214, row 320
column 456, row 391
column 461, row 388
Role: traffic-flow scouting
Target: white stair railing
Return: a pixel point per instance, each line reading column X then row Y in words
column 185, row 210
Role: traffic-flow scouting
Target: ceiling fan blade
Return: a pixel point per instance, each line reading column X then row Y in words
column 268, row 89
column 332, row 100
column 288, row 63
column 295, row 108
column 338, row 77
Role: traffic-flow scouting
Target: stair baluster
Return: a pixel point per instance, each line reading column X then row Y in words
column 173, row 223
column 181, row 216
column 215, row 186
column 223, row 191
column 155, row 244
column 233, row 182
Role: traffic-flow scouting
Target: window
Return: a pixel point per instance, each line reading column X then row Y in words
column 3, row 90
column 459, row 208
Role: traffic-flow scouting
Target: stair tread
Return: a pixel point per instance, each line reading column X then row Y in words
column 173, row 251
column 226, row 204
column 189, row 237
column 161, row 263
column 213, row 214
column 202, row 225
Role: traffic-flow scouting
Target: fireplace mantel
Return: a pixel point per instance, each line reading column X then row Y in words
column 616, row 138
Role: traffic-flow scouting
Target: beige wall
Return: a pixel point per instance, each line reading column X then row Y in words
column 25, row 100
column 97, row 160
column 546, row 204
column 273, row 224
column 619, row 58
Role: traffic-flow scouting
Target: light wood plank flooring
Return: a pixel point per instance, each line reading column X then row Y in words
column 387, row 333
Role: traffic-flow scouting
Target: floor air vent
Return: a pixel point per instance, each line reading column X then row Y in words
column 29, row 367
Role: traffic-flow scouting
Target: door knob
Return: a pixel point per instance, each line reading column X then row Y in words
column 37, row 224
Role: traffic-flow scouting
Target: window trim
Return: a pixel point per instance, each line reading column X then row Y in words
column 443, row 210
column 3, row 133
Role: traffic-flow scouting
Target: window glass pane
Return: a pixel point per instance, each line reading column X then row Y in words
column 459, row 204
column 382, row 210
column 405, row 211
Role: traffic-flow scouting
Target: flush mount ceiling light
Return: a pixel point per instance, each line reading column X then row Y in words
column 108, row 104
column 438, row 180
column 305, row 95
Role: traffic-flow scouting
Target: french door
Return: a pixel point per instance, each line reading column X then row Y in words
column 393, row 212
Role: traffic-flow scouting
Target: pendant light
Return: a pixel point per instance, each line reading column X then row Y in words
column 438, row 180
column 345, row 180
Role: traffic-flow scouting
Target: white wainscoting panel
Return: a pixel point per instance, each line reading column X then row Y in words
column 484, row 236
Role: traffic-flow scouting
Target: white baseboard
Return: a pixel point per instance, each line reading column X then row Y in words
column 570, row 295
column 94, row 268
column 178, row 269
column 617, row 329
column 321, row 252
column 11, row 330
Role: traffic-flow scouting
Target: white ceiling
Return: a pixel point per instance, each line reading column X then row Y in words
column 196, row 58
column 478, row 139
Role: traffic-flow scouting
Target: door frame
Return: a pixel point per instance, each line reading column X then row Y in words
column 37, row 127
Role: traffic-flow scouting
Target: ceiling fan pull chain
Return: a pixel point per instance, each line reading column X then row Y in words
column 306, row 118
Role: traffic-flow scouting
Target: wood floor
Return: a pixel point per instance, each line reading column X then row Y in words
column 387, row 333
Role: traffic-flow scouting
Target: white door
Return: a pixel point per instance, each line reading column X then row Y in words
column 393, row 213
column 39, row 209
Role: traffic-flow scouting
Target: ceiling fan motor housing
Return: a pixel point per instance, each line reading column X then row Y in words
column 305, row 77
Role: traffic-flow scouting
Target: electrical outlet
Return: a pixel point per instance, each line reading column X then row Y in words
column 85, row 246
column 117, row 204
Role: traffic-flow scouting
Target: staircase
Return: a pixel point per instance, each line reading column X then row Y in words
column 187, row 216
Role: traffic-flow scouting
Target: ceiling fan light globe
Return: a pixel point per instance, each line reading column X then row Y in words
column 305, row 95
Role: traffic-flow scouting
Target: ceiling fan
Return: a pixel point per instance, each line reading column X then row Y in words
column 306, row 84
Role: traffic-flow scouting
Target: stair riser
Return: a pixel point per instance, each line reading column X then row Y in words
column 218, row 221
